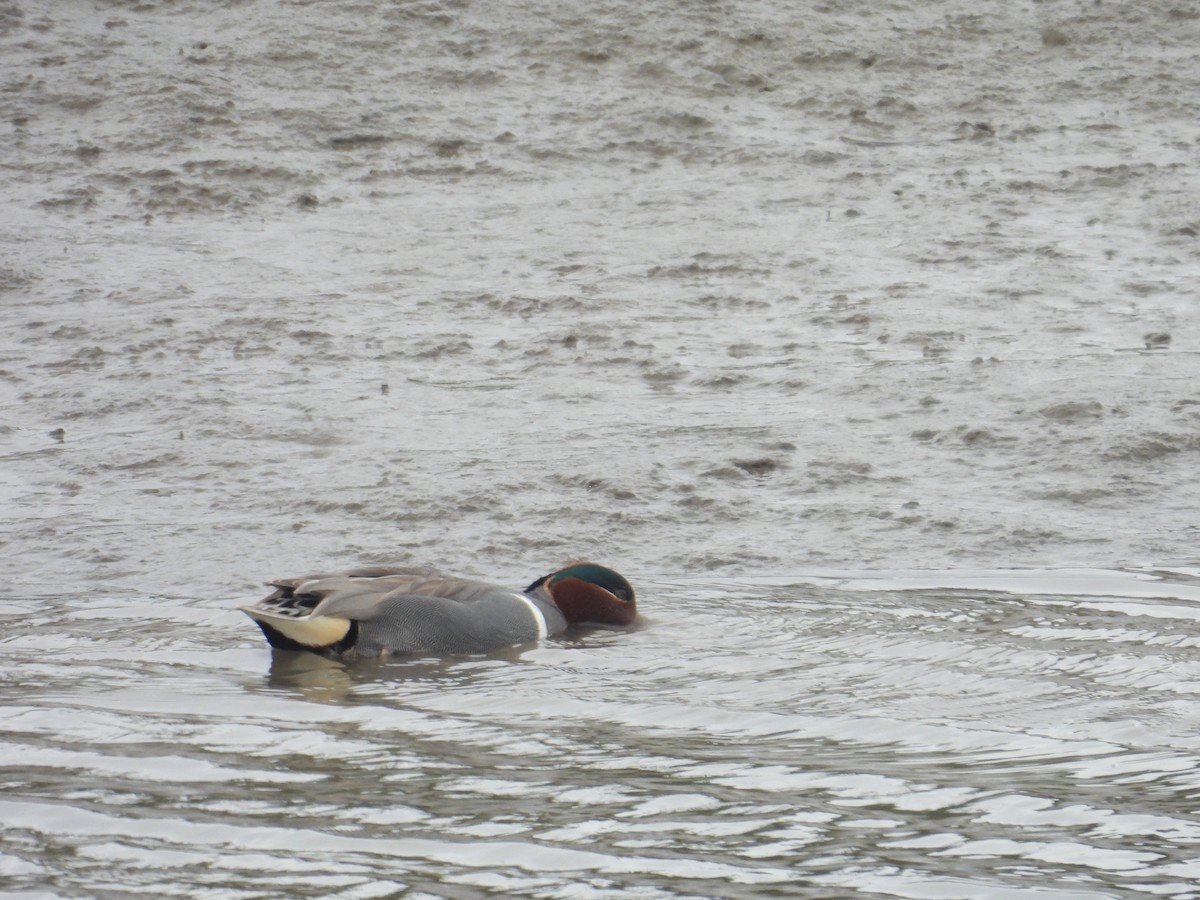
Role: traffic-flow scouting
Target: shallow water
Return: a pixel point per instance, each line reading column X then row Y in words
column 861, row 337
column 906, row 734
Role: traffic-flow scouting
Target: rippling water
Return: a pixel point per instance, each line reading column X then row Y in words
column 915, row 735
column 714, row 293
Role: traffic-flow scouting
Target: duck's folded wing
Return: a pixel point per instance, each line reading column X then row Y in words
column 288, row 586
column 289, row 615
column 361, row 598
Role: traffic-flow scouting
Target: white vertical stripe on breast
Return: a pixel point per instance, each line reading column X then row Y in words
column 538, row 618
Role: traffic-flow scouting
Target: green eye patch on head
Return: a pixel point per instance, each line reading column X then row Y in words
column 598, row 575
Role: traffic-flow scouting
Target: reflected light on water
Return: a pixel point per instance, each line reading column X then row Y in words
column 835, row 735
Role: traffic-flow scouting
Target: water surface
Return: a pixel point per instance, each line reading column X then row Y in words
column 861, row 337
column 912, row 734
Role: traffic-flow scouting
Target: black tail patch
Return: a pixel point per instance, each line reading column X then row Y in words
column 281, row 641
